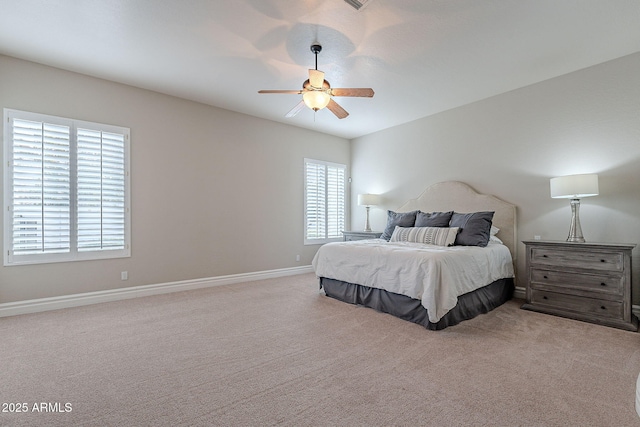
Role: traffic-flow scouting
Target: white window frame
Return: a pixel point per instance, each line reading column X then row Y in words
column 333, row 227
column 72, row 253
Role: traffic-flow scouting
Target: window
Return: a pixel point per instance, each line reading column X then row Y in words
column 324, row 201
column 66, row 189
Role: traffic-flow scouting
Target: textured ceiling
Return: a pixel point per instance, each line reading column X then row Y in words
column 420, row 57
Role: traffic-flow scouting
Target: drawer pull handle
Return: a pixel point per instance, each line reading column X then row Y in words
column 545, row 297
column 603, row 307
column 603, row 284
column 545, row 277
column 544, row 256
column 602, row 260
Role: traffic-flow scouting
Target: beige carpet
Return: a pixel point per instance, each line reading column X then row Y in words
column 278, row 352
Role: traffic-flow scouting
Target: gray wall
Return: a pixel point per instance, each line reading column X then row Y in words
column 216, row 192
column 510, row 146
column 213, row 192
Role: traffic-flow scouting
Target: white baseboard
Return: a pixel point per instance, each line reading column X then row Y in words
column 75, row 300
column 521, row 293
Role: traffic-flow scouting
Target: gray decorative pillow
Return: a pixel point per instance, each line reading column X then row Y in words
column 433, row 219
column 475, row 228
column 401, row 219
column 440, row 236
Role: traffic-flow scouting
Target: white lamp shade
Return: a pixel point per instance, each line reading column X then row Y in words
column 316, row 99
column 574, row 186
column 368, row 199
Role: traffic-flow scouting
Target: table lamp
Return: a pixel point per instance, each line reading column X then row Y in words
column 368, row 200
column 574, row 187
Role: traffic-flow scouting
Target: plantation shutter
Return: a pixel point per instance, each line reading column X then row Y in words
column 101, row 190
column 335, row 201
column 324, row 201
column 66, row 189
column 40, row 215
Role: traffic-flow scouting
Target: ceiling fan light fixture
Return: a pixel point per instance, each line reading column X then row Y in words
column 316, row 99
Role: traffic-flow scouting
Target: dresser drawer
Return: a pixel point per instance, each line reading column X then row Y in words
column 602, row 284
column 349, row 236
column 593, row 260
column 600, row 308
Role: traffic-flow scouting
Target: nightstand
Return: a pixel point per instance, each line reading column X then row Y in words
column 348, row 236
column 582, row 281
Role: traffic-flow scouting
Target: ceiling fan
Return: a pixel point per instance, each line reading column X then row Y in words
column 317, row 92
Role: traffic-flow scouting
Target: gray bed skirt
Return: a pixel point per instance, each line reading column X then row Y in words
column 469, row 305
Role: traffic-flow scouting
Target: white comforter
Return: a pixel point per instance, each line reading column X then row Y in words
column 435, row 275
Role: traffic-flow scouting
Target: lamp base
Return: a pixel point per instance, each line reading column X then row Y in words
column 575, row 231
column 367, row 226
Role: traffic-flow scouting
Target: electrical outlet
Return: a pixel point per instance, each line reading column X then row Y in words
column 536, row 237
column 298, row 258
column 124, row 275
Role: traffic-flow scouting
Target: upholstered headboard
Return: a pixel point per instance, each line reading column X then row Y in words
column 458, row 196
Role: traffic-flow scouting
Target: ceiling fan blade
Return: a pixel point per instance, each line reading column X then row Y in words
column 295, row 110
column 316, row 78
column 296, row 92
column 336, row 109
column 361, row 92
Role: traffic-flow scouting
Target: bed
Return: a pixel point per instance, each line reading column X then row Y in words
column 435, row 285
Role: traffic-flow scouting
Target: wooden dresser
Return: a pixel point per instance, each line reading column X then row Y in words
column 583, row 281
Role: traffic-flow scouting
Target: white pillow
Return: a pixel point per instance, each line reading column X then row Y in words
column 440, row 236
column 495, row 239
column 494, row 230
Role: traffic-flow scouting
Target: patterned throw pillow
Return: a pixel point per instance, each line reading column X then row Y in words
column 440, row 236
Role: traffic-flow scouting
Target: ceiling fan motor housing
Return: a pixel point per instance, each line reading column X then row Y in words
column 307, row 85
